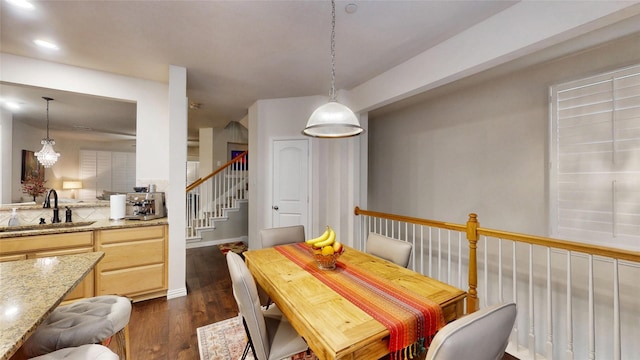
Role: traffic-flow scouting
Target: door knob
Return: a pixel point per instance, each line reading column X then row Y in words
column 275, row 207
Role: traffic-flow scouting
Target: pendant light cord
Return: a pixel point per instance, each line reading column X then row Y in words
column 47, row 119
column 47, row 99
column 332, row 92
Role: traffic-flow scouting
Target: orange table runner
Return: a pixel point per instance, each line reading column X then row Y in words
column 411, row 319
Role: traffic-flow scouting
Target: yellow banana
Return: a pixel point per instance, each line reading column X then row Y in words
column 323, row 237
column 330, row 240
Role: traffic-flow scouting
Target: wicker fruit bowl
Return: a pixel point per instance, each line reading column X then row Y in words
column 325, row 262
column 325, row 249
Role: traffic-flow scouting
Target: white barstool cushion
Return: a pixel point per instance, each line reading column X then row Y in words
column 87, row 321
column 84, row 352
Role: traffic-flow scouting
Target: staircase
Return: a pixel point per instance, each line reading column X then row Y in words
column 211, row 198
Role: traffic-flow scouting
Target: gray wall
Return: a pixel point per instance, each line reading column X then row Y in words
column 479, row 146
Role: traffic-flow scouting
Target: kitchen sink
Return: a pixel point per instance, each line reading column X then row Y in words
column 45, row 226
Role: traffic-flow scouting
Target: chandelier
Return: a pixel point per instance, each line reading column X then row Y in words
column 47, row 156
column 333, row 120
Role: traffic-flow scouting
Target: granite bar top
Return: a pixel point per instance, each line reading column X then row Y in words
column 102, row 224
column 31, row 289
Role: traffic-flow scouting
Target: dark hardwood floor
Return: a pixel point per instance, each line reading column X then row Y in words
column 166, row 329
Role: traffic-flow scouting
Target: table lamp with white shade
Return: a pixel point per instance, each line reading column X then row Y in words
column 72, row 185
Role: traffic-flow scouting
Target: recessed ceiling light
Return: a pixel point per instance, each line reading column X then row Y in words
column 21, row 3
column 11, row 105
column 351, row 8
column 46, row 44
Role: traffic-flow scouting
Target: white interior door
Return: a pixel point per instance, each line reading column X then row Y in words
column 290, row 205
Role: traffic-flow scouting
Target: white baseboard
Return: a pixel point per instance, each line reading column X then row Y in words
column 176, row 293
column 200, row 243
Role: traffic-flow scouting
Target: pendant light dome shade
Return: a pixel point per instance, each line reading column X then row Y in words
column 47, row 156
column 332, row 120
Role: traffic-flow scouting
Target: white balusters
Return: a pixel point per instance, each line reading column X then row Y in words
column 532, row 327
column 220, row 191
column 617, row 346
column 514, row 285
column 485, row 265
column 546, row 284
column 569, row 310
column 549, row 342
column 591, row 323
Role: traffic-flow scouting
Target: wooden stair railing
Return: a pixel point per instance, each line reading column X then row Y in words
column 581, row 266
column 209, row 197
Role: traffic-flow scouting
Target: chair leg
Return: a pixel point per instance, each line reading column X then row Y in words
column 122, row 346
column 245, row 352
column 249, row 343
column 127, row 345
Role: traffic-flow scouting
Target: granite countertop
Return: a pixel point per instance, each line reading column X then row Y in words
column 103, row 224
column 31, row 289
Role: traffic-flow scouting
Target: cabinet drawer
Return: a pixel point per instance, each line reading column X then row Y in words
column 132, row 281
column 46, row 242
column 131, row 254
column 138, row 233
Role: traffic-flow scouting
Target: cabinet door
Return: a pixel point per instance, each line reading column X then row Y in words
column 85, row 289
column 135, row 262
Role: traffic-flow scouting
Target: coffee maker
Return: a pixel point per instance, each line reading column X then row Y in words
column 145, row 205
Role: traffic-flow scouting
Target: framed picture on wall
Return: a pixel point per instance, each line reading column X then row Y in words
column 235, row 149
column 31, row 166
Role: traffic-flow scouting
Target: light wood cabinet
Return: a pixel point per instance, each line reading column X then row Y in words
column 135, row 262
column 39, row 246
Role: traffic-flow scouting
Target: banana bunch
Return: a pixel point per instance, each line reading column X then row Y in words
column 326, row 242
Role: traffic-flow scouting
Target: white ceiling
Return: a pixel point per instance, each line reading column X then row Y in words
column 235, row 52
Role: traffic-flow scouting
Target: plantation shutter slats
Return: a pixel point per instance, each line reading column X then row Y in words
column 595, row 159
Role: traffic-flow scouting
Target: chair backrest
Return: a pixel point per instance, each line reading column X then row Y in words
column 246, row 295
column 282, row 235
column 482, row 335
column 394, row 250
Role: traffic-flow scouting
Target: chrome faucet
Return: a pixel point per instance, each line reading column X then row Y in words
column 47, row 205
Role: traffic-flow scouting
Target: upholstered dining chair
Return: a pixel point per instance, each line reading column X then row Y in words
column 282, row 235
column 482, row 335
column 279, row 236
column 271, row 336
column 394, row 250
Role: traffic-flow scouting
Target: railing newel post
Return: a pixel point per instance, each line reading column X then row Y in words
column 472, row 237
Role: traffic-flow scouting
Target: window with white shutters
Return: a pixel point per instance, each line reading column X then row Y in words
column 595, row 159
column 106, row 171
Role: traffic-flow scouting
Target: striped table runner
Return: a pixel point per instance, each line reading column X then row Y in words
column 411, row 319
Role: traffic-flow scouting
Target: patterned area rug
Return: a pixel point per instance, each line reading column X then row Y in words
column 237, row 247
column 226, row 339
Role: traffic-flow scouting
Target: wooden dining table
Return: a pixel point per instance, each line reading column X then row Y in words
column 333, row 327
column 31, row 289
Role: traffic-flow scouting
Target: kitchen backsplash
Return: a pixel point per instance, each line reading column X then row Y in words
column 29, row 215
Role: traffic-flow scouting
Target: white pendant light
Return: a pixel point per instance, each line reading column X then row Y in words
column 333, row 120
column 47, row 156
